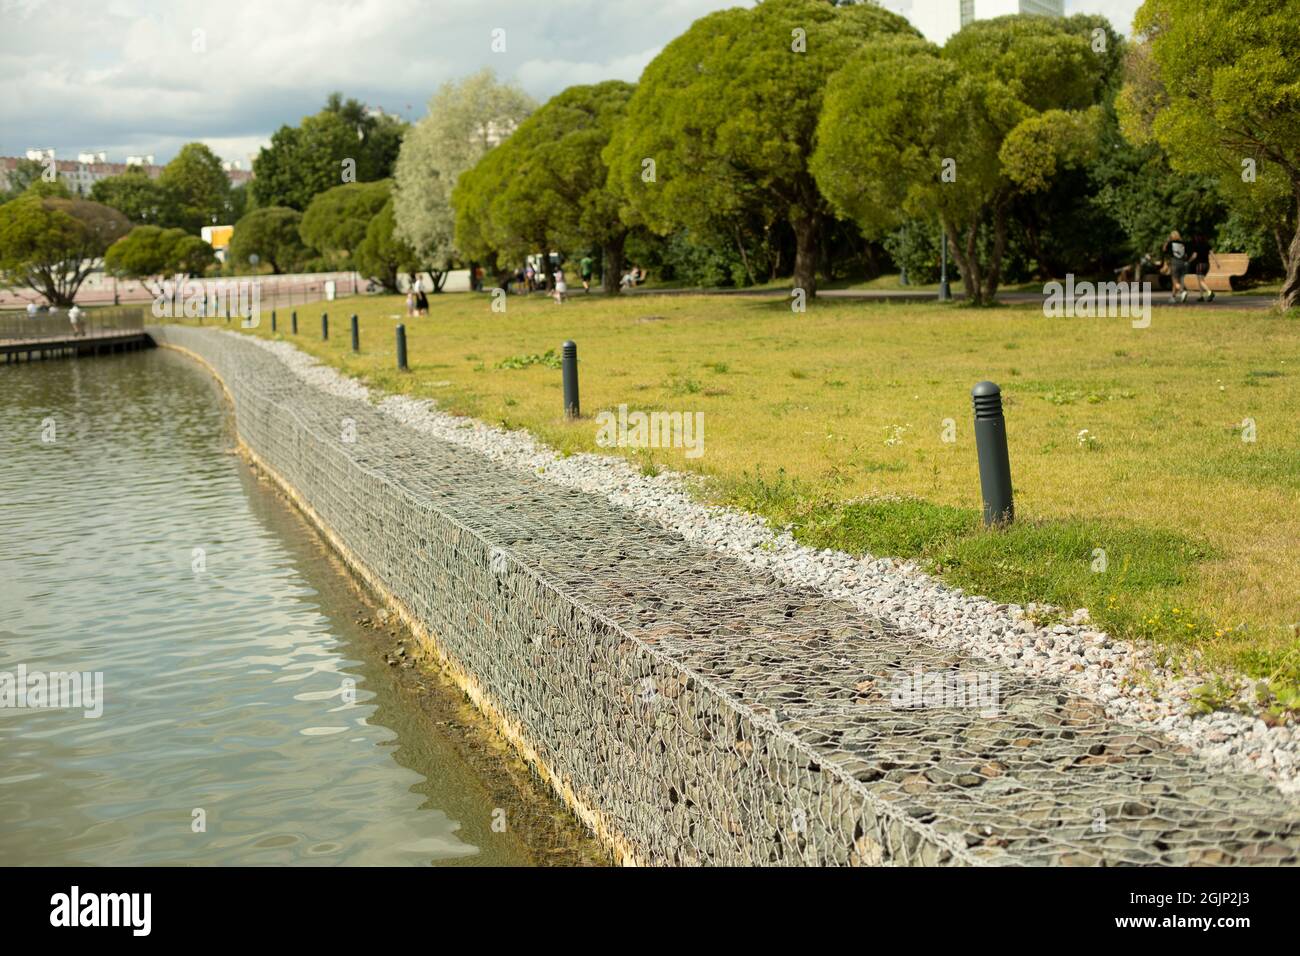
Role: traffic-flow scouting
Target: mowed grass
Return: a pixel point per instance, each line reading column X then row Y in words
column 833, row 422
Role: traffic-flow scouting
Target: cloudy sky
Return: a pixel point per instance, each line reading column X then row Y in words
column 138, row 77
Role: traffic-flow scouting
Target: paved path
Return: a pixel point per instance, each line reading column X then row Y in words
column 1043, row 778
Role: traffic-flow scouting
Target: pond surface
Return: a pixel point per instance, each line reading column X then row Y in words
column 249, row 714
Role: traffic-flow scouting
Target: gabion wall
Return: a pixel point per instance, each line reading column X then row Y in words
column 698, row 713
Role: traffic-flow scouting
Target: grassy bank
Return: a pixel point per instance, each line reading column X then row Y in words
column 833, row 422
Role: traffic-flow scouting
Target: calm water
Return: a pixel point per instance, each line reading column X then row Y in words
column 224, row 688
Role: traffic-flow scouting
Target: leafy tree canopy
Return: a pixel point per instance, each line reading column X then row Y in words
column 546, row 187
column 958, row 134
column 336, row 221
column 1217, row 84
column 52, row 244
column 465, row 121
column 728, row 114
column 272, row 234
column 154, row 251
column 342, row 143
column 198, row 186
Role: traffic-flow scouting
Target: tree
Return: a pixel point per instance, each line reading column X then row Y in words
column 381, row 255
column 1225, row 102
column 272, row 234
column 546, row 185
column 148, row 251
column 464, row 122
column 725, row 118
column 342, row 143
column 198, row 185
column 51, row 245
column 909, row 131
column 336, row 221
column 24, row 173
column 138, row 197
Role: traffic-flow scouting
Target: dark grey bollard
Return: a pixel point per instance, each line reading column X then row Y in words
column 356, row 334
column 295, row 321
column 991, row 447
column 569, row 364
column 945, row 291
column 325, row 326
column 273, row 320
column 401, row 348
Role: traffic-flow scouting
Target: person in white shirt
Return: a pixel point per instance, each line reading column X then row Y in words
column 31, row 310
column 74, row 316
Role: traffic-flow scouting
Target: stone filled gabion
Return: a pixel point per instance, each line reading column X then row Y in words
column 712, row 715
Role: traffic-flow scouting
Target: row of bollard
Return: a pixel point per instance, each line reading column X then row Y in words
column 986, row 399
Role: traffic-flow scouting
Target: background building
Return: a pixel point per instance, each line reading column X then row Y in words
column 940, row 19
column 89, row 168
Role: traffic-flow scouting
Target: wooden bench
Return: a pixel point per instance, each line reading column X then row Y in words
column 1223, row 266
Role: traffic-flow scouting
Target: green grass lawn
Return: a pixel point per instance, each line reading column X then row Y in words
column 832, row 422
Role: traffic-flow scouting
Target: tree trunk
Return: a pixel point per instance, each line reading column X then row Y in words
column 994, row 274
column 612, row 274
column 1289, row 297
column 805, row 255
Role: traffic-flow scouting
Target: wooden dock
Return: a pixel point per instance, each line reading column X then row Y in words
column 99, row 342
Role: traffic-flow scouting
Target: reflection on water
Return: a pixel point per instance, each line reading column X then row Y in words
column 239, row 689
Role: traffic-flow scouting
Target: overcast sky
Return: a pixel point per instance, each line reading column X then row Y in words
column 125, row 77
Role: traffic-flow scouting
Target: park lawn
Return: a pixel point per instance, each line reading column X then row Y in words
column 832, row 422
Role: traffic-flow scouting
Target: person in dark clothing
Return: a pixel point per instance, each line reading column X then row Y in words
column 1176, row 251
column 1200, row 264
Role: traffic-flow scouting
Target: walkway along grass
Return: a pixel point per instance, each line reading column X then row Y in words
column 1138, row 492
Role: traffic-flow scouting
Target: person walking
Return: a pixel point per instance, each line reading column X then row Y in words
column 1200, row 264
column 421, row 300
column 31, row 309
column 410, row 301
column 1176, row 250
column 74, row 316
column 561, row 287
column 585, row 267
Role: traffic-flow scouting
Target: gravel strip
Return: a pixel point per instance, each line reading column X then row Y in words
column 1127, row 680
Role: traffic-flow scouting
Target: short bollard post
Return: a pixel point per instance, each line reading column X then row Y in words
column 356, row 334
column 401, row 347
column 294, row 317
column 569, row 363
column 991, row 447
column 273, row 320
column 325, row 326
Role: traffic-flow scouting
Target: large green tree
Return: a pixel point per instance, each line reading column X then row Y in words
column 465, row 121
column 51, row 245
column 1217, row 84
column 725, row 119
column 272, row 234
column 546, row 186
column 957, row 135
column 138, row 197
column 199, row 187
column 342, row 143
column 148, row 251
column 381, row 255
column 336, row 221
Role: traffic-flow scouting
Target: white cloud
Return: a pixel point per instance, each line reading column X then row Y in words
column 135, row 76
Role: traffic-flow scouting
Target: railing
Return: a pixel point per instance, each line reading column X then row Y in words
column 56, row 325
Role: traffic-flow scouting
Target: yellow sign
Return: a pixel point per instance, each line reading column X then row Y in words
column 218, row 237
